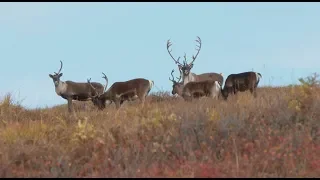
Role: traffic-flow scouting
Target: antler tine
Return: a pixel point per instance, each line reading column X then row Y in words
column 94, row 89
column 185, row 59
column 61, row 64
column 199, row 47
column 172, row 76
column 106, row 78
column 179, row 78
column 89, row 81
column 168, row 46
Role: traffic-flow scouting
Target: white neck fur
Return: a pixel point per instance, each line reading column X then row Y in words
column 188, row 78
column 61, row 88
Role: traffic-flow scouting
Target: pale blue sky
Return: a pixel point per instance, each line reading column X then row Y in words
column 128, row 40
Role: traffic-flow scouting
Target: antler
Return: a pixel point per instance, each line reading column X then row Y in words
column 199, row 47
column 61, row 64
column 95, row 90
column 185, row 59
column 173, row 77
column 105, row 77
column 179, row 78
column 168, row 45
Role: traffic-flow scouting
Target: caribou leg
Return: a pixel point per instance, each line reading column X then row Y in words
column 235, row 89
column 70, row 105
column 142, row 100
column 188, row 98
column 117, row 102
column 253, row 89
column 215, row 95
column 141, row 96
column 220, row 93
column 253, row 92
column 121, row 102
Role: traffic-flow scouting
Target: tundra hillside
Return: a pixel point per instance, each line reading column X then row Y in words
column 274, row 135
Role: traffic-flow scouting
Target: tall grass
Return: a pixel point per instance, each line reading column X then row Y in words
column 273, row 135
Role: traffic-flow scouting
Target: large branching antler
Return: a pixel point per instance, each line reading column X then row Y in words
column 61, row 64
column 199, row 47
column 105, row 77
column 169, row 51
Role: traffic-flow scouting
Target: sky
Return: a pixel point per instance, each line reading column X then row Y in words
column 128, row 40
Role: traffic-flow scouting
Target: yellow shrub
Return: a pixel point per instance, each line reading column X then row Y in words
column 32, row 131
column 294, row 105
column 172, row 117
column 213, row 115
column 154, row 119
column 301, row 96
column 244, row 99
column 83, row 131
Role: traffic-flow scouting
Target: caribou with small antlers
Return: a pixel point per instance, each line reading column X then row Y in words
column 119, row 92
column 177, row 87
column 79, row 91
column 185, row 68
column 208, row 88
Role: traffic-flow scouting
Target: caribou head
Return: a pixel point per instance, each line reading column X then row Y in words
column 56, row 77
column 95, row 97
column 186, row 67
column 177, row 86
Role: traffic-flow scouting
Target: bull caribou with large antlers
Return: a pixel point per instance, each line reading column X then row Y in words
column 185, row 68
column 119, row 92
column 79, row 91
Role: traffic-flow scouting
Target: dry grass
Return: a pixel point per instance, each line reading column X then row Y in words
column 274, row 135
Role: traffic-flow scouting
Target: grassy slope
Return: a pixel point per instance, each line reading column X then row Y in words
column 274, row 135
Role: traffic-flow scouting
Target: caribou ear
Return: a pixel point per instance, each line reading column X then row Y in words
column 60, row 74
column 50, row 75
column 191, row 65
column 180, row 67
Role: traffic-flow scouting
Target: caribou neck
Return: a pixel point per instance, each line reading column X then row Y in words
column 180, row 89
column 61, row 87
column 107, row 94
column 189, row 78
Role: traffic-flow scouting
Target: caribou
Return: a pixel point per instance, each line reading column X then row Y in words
column 241, row 82
column 78, row 91
column 208, row 88
column 185, row 68
column 119, row 92
column 177, row 87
